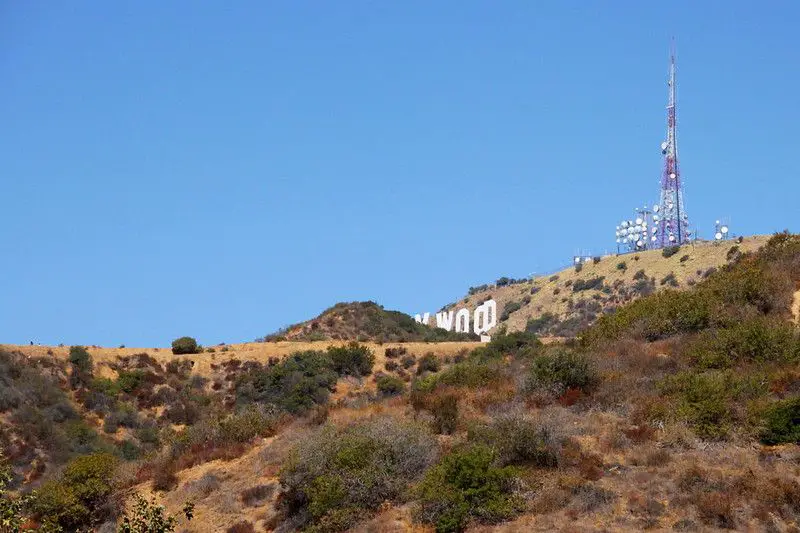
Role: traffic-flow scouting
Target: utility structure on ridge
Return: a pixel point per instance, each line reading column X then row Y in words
column 671, row 219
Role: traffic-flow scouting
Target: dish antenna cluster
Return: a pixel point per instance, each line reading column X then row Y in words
column 720, row 231
column 639, row 233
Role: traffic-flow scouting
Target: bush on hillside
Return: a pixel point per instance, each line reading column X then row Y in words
column 588, row 284
column 353, row 359
column 517, row 440
column 335, row 476
column 509, row 308
column 80, row 359
column 185, row 345
column 538, row 325
column 669, row 251
column 208, row 439
column 390, row 385
column 299, row 382
column 758, row 340
column 622, row 265
column 467, row 484
column 782, row 422
column 81, row 497
column 428, row 363
column 561, row 369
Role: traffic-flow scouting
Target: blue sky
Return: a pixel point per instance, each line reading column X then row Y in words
column 224, row 169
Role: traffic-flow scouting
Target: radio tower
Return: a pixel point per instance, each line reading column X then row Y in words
column 673, row 222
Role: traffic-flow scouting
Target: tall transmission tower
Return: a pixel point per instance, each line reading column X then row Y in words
column 672, row 220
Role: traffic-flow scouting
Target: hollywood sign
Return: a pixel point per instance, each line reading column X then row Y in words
column 484, row 318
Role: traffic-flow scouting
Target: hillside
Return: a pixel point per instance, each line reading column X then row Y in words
column 564, row 303
column 365, row 321
column 678, row 411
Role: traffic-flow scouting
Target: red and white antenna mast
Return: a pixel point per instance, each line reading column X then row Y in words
column 673, row 222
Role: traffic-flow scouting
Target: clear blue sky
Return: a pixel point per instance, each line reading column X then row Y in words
column 222, row 169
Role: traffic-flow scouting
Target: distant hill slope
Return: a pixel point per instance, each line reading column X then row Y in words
column 365, row 321
column 566, row 302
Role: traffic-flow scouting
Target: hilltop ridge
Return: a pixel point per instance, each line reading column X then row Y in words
column 563, row 303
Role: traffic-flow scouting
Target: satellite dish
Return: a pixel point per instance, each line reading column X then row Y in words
column 724, row 229
column 639, row 243
column 656, row 208
column 618, row 241
column 717, row 222
column 653, row 238
column 655, row 218
column 718, row 235
column 638, row 220
column 671, row 238
column 664, row 146
column 625, row 241
column 624, row 223
column 654, row 230
column 672, row 175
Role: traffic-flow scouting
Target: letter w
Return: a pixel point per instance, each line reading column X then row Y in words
column 445, row 320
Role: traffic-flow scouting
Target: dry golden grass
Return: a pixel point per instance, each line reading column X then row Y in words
column 249, row 351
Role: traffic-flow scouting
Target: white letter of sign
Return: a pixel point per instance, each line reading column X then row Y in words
column 422, row 319
column 485, row 317
column 444, row 320
column 462, row 326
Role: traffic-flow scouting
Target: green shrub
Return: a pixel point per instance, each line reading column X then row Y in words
column 657, row 316
column 640, row 275
column 704, row 404
column 684, row 258
column 595, row 260
column 408, row 361
column 588, row 284
column 561, row 369
column 81, row 497
column 335, row 476
column 509, row 308
column 390, row 385
column 670, row 280
column 578, row 267
column 622, row 265
column 467, row 484
column 297, row 383
column 517, row 440
column 669, row 251
column 712, row 401
column 782, row 422
column 185, row 345
column 428, row 363
column 758, row 340
column 472, row 374
column 519, row 344
column 129, row 380
column 79, row 357
column 353, row 359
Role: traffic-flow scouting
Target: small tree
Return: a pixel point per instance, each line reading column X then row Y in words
column 148, row 517
column 184, row 345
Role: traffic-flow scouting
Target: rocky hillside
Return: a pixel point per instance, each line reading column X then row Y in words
column 365, row 321
column 564, row 303
column 679, row 411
